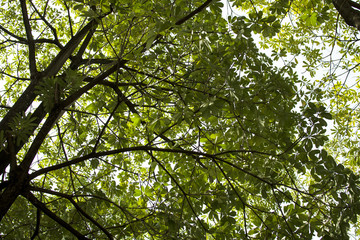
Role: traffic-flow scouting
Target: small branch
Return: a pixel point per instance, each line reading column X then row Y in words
column 354, row 4
column 67, row 196
column 69, row 19
column 78, row 208
column 25, row 41
column 14, row 77
column 193, row 13
column 4, row 106
column 90, row 218
column 95, row 61
column 42, row 17
column 180, row 188
column 105, row 126
column 283, row 215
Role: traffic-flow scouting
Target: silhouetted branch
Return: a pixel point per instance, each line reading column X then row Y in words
column 38, row 204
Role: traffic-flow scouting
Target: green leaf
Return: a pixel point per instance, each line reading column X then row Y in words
column 178, row 120
column 94, row 163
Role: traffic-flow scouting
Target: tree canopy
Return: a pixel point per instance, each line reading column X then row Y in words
column 142, row 119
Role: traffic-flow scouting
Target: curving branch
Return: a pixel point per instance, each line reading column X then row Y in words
column 70, row 198
column 42, row 17
column 39, row 205
column 20, row 39
column 37, row 227
column 141, row 148
column 122, row 209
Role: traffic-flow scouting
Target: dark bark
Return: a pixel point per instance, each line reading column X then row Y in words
column 30, row 39
column 349, row 12
column 17, row 182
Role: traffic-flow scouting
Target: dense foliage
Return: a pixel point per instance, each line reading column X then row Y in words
column 141, row 119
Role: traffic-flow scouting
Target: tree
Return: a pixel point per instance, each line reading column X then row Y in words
column 160, row 120
column 319, row 38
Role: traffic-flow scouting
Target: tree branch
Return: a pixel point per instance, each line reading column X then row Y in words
column 14, row 187
column 41, row 135
column 38, row 116
column 116, row 65
column 77, row 60
column 28, row 95
column 126, row 212
column 42, row 17
column 20, row 39
column 180, row 188
column 133, row 149
column 37, row 227
column 57, row 63
column 193, row 13
column 38, row 204
column 70, row 198
column 56, row 113
column 349, row 14
column 30, row 39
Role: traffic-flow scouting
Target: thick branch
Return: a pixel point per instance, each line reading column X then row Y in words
column 77, row 60
column 58, row 111
column 41, row 135
column 21, row 104
column 29, row 95
column 95, row 81
column 14, row 187
column 8, row 197
column 30, row 39
column 69, row 48
column 347, row 11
